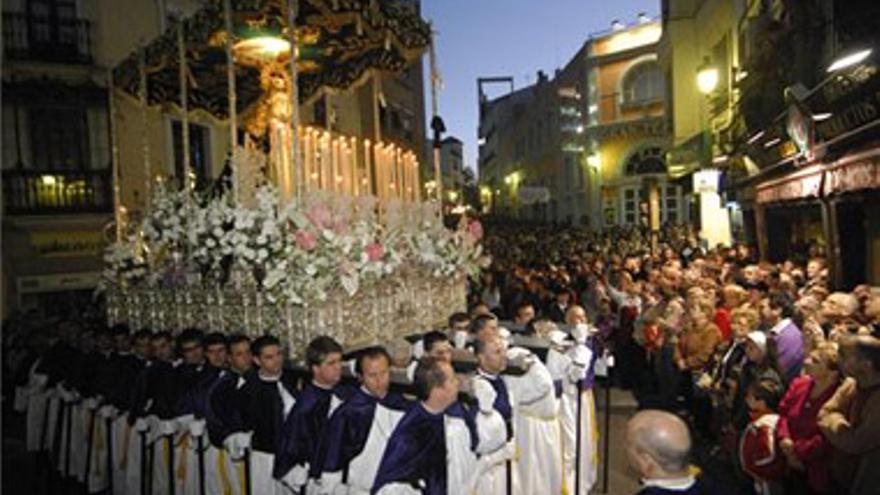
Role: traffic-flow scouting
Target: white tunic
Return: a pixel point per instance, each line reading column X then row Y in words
column 536, row 431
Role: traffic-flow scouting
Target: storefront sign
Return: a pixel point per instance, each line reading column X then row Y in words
column 803, row 184
column 58, row 282
column 532, row 195
column 861, row 171
column 67, row 243
column 706, row 181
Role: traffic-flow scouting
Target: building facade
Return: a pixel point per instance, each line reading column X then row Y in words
column 627, row 132
column 57, row 183
column 58, row 194
column 451, row 167
column 790, row 120
column 588, row 146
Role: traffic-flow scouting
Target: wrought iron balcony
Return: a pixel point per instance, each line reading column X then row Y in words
column 45, row 38
column 32, row 192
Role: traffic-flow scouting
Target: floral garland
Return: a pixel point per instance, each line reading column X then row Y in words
column 298, row 254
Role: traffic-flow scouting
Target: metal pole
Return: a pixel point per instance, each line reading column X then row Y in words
column 189, row 175
column 247, row 471
column 607, row 437
column 90, row 440
column 145, row 140
column 114, row 155
column 298, row 174
column 144, row 459
column 435, row 89
column 577, row 442
column 68, row 426
column 233, row 115
column 201, row 454
column 172, row 485
column 108, row 422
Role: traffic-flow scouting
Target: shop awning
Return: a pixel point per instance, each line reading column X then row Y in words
column 339, row 42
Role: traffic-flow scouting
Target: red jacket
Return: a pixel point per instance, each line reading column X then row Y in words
column 798, row 421
column 722, row 319
column 758, row 453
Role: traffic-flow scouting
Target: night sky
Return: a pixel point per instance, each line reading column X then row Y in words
column 509, row 38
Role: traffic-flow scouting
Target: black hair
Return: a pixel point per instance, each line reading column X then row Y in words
column 781, row 300
column 237, row 338
column 215, row 338
column 432, row 337
column 768, row 391
column 190, row 335
column 120, row 329
column 142, row 334
column 319, row 348
column 480, row 322
column 458, row 318
column 374, row 352
column 428, row 376
column 162, row 335
column 262, row 342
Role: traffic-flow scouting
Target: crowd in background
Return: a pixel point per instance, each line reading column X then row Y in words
column 773, row 370
column 776, row 374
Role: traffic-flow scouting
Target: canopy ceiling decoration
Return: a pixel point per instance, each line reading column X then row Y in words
column 339, row 42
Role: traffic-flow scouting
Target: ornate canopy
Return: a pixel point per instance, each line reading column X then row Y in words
column 338, row 42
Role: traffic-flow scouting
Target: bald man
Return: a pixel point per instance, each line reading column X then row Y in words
column 658, row 448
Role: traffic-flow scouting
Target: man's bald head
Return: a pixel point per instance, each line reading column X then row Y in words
column 659, row 444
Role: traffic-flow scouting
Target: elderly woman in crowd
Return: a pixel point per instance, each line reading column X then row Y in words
column 807, row 451
column 762, row 364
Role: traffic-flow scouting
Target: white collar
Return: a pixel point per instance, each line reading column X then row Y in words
column 269, row 379
column 486, row 374
column 671, row 483
column 780, row 325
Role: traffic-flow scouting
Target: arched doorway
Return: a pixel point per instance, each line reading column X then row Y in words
column 642, row 168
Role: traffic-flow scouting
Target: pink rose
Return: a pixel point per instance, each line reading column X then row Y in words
column 319, row 215
column 305, row 240
column 375, row 251
column 475, row 229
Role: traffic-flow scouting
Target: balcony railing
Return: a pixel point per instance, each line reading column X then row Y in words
column 28, row 192
column 46, row 38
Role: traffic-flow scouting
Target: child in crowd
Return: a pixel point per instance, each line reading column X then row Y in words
column 759, row 455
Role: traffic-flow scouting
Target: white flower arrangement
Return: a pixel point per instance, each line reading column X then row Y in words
column 298, row 254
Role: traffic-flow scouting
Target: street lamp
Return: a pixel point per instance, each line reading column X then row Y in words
column 707, row 77
column 849, row 60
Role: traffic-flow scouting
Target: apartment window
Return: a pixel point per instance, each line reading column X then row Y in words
column 643, row 84
column 199, row 144
column 62, row 138
column 671, row 209
column 630, row 205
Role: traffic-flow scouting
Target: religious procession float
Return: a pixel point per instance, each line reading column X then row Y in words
column 306, row 231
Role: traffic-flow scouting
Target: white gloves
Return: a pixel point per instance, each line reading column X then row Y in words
column 237, row 443
column 181, row 423
column 492, row 432
column 411, row 371
column 67, row 395
column 297, row 477
column 197, row 428
column 108, row 412
column 484, row 394
column 418, row 349
column 505, row 336
column 141, row 425
column 330, row 482
column 522, row 355
column 580, row 332
column 37, row 381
